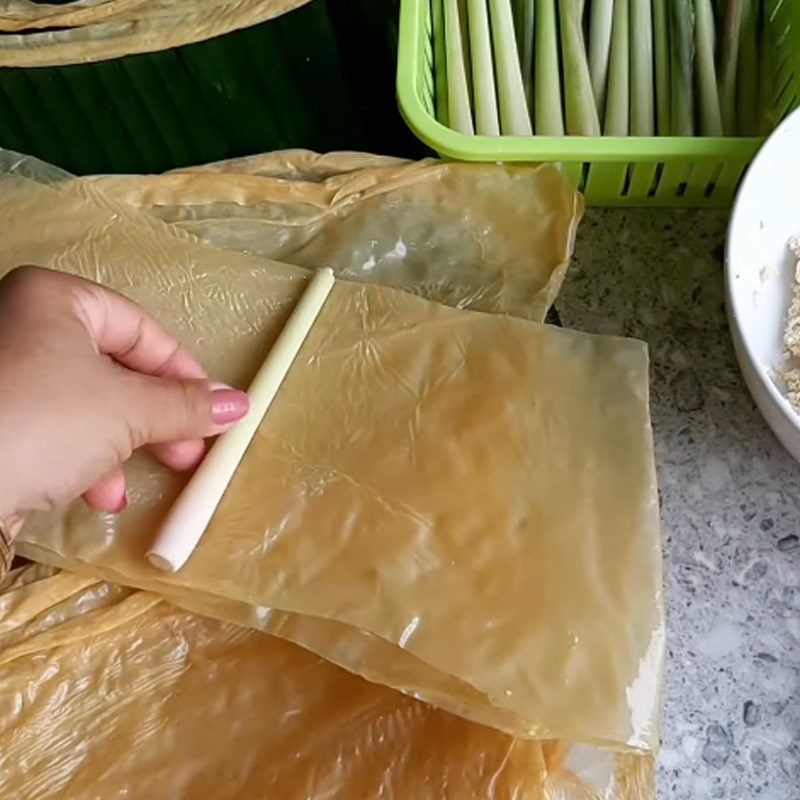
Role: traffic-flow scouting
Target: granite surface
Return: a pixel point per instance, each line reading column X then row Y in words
column 730, row 498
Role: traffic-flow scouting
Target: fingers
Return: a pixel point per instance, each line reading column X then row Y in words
column 172, row 417
column 174, row 407
column 118, row 327
column 125, row 331
column 187, row 454
column 108, row 494
column 174, row 424
column 180, row 456
column 161, row 411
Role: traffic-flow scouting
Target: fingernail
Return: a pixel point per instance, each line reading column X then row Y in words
column 123, row 504
column 228, row 406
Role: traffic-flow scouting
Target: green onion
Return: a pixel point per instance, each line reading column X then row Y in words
column 661, row 51
column 514, row 117
column 547, row 79
column 729, row 58
column 458, row 103
column 681, row 26
column 747, row 72
column 523, row 25
column 641, row 33
column 616, row 116
column 581, row 111
column 708, row 99
column 623, row 67
column 484, row 94
column 439, row 58
column 601, row 18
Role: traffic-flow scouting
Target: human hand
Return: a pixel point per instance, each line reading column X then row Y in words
column 86, row 378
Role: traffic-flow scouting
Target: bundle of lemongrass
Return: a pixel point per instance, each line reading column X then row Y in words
column 612, row 67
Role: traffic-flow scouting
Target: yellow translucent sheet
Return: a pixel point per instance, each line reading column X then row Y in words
column 481, row 236
column 107, row 692
column 47, row 34
column 487, row 504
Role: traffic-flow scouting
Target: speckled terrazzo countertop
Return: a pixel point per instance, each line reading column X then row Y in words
column 730, row 505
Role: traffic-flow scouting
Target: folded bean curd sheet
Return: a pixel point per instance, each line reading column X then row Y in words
column 35, row 34
column 458, row 505
column 110, row 692
column 480, row 236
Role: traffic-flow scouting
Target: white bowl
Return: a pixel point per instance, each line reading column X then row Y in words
column 759, row 274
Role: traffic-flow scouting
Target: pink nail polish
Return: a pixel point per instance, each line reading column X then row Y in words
column 228, row 406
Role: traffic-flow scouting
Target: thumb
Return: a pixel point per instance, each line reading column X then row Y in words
column 165, row 410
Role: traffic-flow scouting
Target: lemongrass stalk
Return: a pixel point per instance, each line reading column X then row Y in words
column 601, row 16
column 483, row 86
column 729, row 58
column 707, row 95
column 523, row 25
column 439, row 61
column 643, row 111
column 515, row 120
column 459, row 110
column 184, row 525
column 661, row 60
column 548, row 115
column 681, row 26
column 615, row 122
column 747, row 72
column 579, row 105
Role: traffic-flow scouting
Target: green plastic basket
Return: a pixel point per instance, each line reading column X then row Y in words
column 611, row 171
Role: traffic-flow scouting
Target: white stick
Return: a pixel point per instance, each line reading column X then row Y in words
column 192, row 511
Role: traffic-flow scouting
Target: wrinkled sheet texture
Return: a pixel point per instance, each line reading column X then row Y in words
column 44, row 34
column 457, row 505
column 111, row 692
column 473, row 236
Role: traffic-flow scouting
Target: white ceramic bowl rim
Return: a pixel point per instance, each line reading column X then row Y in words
column 784, row 140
